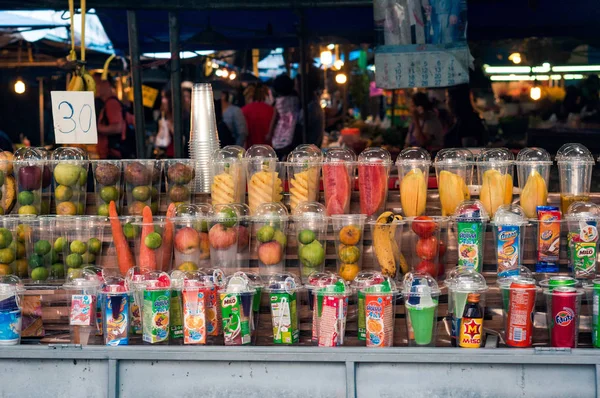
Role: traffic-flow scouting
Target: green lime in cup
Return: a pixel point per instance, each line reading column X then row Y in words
column 109, row 193
column 39, row 274
column 306, row 236
column 88, row 258
column 78, row 247
column 153, row 240
column 227, row 217
column 60, row 244
column 5, row 238
column 130, row 231
column 94, row 245
column 103, row 210
column 7, row 256
column 265, row 234
column 35, row 260
column 57, row 270
column 25, row 198
column 53, row 256
column 74, row 260
column 63, row 193
column 42, row 247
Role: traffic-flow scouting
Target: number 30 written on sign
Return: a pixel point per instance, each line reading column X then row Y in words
column 84, row 120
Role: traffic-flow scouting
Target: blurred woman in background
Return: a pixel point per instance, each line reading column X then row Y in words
column 258, row 114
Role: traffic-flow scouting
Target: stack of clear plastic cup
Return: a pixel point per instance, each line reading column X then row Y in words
column 583, row 219
column 152, row 251
column 575, row 165
column 265, row 176
column 349, row 234
column 82, row 292
column 180, row 180
column 373, row 174
column 310, row 222
column 204, row 139
column 509, row 225
column 137, row 176
column 471, row 221
column 11, row 309
column 229, row 177
column 223, row 236
column 282, row 289
column 115, row 312
column 332, row 312
column 236, row 310
column 16, row 231
column 29, row 187
column 107, row 185
column 413, row 174
column 315, row 281
column 270, row 232
column 421, row 297
column 304, row 174
column 422, row 244
column 70, row 172
column 495, row 174
column 338, row 180
column 454, row 172
column 190, row 243
column 376, row 308
column 462, row 283
column 533, row 170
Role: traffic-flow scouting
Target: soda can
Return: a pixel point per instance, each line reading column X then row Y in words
column 596, row 313
column 519, row 320
column 564, row 303
column 561, row 281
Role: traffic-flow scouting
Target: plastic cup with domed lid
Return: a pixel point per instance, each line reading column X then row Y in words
column 421, row 297
column 315, row 281
column 282, row 289
column 310, row 223
column 11, row 309
column 270, row 232
column 115, row 311
column 373, row 173
column 583, row 219
column 304, row 174
column 338, row 180
column 190, row 291
column 413, row 173
column 265, row 176
column 228, row 176
column 236, row 309
column 509, row 225
column 82, row 291
column 462, row 283
column 70, row 172
column 454, row 172
column 471, row 220
column 533, row 171
column 258, row 283
column 575, row 165
column 495, row 175
column 332, row 312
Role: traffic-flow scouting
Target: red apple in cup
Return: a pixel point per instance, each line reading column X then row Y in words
column 221, row 238
column 187, row 240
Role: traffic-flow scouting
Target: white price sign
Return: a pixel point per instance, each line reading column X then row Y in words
column 74, row 117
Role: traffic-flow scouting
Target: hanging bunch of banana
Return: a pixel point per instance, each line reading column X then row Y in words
column 81, row 80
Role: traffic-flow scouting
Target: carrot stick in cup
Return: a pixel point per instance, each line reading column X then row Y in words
column 125, row 258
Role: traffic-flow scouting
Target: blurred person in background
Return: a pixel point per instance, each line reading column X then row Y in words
column 163, row 141
column 315, row 129
column 112, row 126
column 425, row 129
column 468, row 129
column 283, row 134
column 258, row 114
column 233, row 117
column 186, row 118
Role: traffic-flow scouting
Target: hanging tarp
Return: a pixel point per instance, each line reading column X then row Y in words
column 421, row 43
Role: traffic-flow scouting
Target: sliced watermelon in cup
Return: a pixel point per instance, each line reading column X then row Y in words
column 338, row 173
column 373, row 171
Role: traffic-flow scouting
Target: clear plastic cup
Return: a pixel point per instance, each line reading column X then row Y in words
column 373, row 174
column 338, row 180
column 265, row 176
column 471, row 221
column 282, row 289
column 310, row 222
column 115, row 312
column 157, row 172
column 495, row 173
column 413, row 174
column 107, row 185
column 32, row 154
column 82, row 292
column 270, row 231
column 563, row 310
column 137, row 175
column 509, row 225
column 194, row 294
column 464, row 282
column 332, row 312
column 82, row 238
column 179, row 182
column 582, row 219
column 315, row 281
column 11, row 309
column 46, row 155
column 421, row 296
column 518, row 303
column 349, row 233
column 258, row 284
column 16, row 231
column 533, row 170
column 376, row 308
column 422, row 243
column 575, row 164
column 223, row 238
column 6, row 183
column 236, row 309
column 592, row 292
column 304, row 174
column 156, row 307
column 453, row 169
column 152, row 252
column 229, row 178
column 67, row 162
column 44, row 261
column 214, row 324
column 190, row 243
column 244, row 228
column 386, row 235
column 108, row 259
column 28, row 175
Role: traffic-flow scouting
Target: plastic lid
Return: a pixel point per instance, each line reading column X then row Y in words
column 305, row 153
column 373, row 282
column 115, row 284
column 11, row 284
column 413, row 155
column 560, row 279
column 28, row 153
column 239, row 283
column 375, row 155
column 310, row 211
column 419, row 289
column 260, row 152
column 242, row 209
column 225, row 214
column 255, row 279
column 574, row 152
column 496, row 155
column 284, row 282
column 510, row 215
column 272, row 211
column 214, row 276
column 87, row 279
column 156, row 280
column 454, row 157
column 194, row 210
column 69, row 153
column 467, row 280
column 319, row 279
column 334, row 155
column 506, row 283
column 534, row 155
column 337, row 287
column 471, row 210
column 583, row 210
